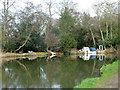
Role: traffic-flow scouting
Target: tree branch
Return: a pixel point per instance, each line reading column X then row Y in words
column 24, row 42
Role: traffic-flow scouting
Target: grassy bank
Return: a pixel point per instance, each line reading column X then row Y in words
column 107, row 73
column 5, row 55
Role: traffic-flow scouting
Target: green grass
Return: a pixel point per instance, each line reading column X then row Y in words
column 107, row 73
column 40, row 53
column 72, row 53
column 0, row 77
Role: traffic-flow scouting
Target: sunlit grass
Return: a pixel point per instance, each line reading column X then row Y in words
column 39, row 53
column 21, row 55
column 72, row 53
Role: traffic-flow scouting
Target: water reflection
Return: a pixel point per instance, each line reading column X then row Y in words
column 63, row 72
column 51, row 56
column 92, row 56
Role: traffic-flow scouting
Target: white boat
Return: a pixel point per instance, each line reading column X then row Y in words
column 88, row 50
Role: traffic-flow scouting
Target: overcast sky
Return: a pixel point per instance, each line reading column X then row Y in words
column 83, row 5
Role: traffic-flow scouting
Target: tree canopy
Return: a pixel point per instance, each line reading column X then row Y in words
column 33, row 29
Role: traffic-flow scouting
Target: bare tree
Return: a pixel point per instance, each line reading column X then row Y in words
column 106, row 11
column 50, row 38
column 6, row 7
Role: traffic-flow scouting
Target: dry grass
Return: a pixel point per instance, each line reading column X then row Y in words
column 13, row 55
column 110, row 51
column 100, row 51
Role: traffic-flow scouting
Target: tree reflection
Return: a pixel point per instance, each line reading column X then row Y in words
column 64, row 72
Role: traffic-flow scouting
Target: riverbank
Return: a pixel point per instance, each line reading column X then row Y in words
column 107, row 74
column 13, row 56
column 5, row 55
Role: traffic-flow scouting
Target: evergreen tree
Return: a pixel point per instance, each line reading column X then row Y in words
column 66, row 27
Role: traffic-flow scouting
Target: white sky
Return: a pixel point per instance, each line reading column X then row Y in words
column 83, row 5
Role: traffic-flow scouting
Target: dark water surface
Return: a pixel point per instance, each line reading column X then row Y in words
column 58, row 72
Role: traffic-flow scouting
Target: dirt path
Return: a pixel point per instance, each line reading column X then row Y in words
column 113, row 82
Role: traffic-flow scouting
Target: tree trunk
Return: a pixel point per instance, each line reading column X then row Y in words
column 106, row 29
column 5, row 22
column 47, row 49
column 102, row 36
column 101, row 33
column 111, row 31
column 92, row 36
column 5, row 34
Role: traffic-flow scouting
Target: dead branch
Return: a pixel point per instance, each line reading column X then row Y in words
column 24, row 42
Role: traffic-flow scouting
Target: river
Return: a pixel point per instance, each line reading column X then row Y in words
column 55, row 72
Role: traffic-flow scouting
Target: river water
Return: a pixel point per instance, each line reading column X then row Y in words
column 55, row 72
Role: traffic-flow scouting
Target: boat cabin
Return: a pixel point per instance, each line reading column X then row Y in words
column 88, row 50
